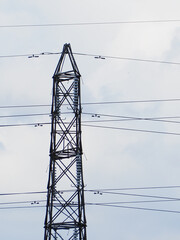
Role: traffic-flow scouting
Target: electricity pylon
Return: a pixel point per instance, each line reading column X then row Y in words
column 65, row 211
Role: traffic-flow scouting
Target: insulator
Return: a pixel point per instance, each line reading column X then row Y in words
column 58, row 112
column 75, row 99
column 55, row 173
column 54, row 184
column 78, row 169
column 75, row 234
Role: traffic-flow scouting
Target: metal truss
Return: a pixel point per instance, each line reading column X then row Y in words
column 65, row 210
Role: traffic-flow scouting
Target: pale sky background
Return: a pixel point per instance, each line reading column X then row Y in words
column 112, row 158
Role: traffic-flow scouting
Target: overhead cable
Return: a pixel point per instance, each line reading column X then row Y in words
column 138, row 208
column 97, row 56
column 105, row 190
column 120, row 118
column 22, row 193
column 24, row 115
column 91, row 23
column 36, row 124
column 37, row 202
column 25, row 106
column 99, row 204
column 97, row 103
column 127, row 58
column 134, row 188
column 132, row 129
column 135, row 195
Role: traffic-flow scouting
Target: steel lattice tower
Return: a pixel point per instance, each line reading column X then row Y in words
column 65, row 210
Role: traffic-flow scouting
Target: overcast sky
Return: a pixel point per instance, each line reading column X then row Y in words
column 113, row 158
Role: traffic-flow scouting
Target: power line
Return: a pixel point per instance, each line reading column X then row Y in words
column 134, row 188
column 90, row 23
column 127, row 58
column 26, row 106
column 132, row 101
column 23, row 207
column 24, row 115
column 97, row 56
column 104, row 190
column 36, row 202
column 30, row 55
column 23, row 202
column 22, row 193
column 138, row 208
column 124, row 118
column 131, row 118
column 87, row 113
column 107, row 204
column 137, row 202
column 160, row 119
column 36, row 124
column 97, row 126
column 97, row 103
column 132, row 129
column 135, row 195
column 100, row 204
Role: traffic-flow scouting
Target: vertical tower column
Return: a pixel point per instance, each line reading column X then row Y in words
column 65, row 211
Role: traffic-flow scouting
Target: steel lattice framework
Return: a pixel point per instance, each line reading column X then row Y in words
column 65, row 211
